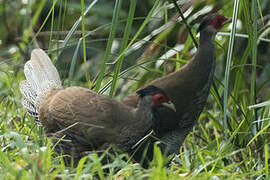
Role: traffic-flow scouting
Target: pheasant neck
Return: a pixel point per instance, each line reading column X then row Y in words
column 207, row 56
column 145, row 111
column 206, row 37
column 203, row 63
column 206, row 49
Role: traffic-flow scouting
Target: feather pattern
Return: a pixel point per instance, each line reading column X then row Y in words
column 41, row 77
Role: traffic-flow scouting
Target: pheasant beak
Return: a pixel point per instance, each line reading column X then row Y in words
column 169, row 105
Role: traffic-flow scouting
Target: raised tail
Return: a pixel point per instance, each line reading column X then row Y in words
column 41, row 77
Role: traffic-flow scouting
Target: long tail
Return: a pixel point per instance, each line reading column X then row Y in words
column 41, row 77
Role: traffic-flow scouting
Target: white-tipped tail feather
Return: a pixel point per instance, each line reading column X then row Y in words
column 41, row 77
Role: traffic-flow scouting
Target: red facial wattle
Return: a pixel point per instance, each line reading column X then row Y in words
column 159, row 99
column 218, row 22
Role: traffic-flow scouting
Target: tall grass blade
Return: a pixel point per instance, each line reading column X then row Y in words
column 75, row 26
column 42, row 4
column 87, row 76
column 258, row 134
column 254, row 60
column 147, row 19
column 52, row 28
column 39, row 9
column 108, row 84
column 266, row 159
column 228, row 65
column 185, row 22
column 123, row 44
column 116, row 12
column 266, row 103
column 73, row 62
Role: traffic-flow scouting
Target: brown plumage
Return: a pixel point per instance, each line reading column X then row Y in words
column 188, row 87
column 86, row 121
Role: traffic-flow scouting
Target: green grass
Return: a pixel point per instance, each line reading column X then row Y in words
column 231, row 138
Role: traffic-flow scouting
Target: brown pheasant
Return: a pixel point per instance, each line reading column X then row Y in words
column 188, row 87
column 88, row 121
